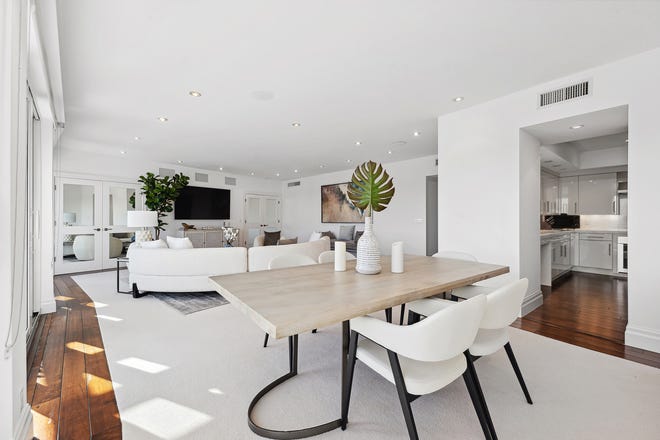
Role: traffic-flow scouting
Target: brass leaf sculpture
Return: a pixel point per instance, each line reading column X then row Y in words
column 371, row 188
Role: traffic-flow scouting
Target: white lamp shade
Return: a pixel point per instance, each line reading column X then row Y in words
column 141, row 219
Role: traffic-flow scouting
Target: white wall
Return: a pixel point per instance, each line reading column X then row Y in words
column 85, row 164
column 609, row 157
column 479, row 151
column 403, row 220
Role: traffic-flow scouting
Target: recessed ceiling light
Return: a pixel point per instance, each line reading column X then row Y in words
column 415, row 133
column 575, row 127
column 162, row 119
column 122, row 152
column 296, row 124
column 348, row 161
column 277, row 174
column 194, row 93
column 137, row 138
column 458, row 99
column 252, row 173
column 321, row 166
column 389, row 152
column 179, row 161
column 358, row 143
column 220, row 168
column 295, row 171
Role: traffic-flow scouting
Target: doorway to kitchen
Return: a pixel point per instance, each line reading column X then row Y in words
column 582, row 176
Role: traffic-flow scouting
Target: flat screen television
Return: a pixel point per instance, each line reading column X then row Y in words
column 198, row 203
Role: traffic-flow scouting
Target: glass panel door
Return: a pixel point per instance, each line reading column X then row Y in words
column 79, row 234
column 118, row 199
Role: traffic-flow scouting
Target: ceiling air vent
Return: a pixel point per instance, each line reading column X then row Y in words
column 564, row 94
column 292, row 184
column 230, row 181
column 165, row 172
column 201, row 177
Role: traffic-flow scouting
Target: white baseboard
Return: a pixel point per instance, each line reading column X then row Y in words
column 644, row 338
column 531, row 302
column 48, row 307
column 24, row 429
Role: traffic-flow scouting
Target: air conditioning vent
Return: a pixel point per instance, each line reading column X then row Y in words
column 230, row 181
column 564, row 94
column 201, row 177
column 165, row 172
column 292, row 184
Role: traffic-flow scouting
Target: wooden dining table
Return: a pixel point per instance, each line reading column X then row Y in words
column 291, row 301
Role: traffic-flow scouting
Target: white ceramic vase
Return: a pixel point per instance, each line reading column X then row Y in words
column 368, row 251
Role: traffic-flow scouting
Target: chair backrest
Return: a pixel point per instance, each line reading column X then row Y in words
column 455, row 255
column 503, row 305
column 290, row 260
column 329, row 257
column 446, row 333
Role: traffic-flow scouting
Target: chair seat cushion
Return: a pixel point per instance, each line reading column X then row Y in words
column 428, row 306
column 420, row 377
column 471, row 291
column 489, row 341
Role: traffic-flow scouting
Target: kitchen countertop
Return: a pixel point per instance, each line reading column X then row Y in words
column 548, row 233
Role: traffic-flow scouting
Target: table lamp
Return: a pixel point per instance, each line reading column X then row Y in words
column 143, row 220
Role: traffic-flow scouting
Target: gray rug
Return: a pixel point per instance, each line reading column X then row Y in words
column 191, row 302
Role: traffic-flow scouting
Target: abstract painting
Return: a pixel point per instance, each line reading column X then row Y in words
column 336, row 207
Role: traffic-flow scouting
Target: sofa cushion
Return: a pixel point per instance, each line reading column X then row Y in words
column 187, row 262
column 179, row 243
column 328, row 234
column 155, row 244
column 271, row 238
column 346, row 232
column 260, row 256
column 315, row 236
column 284, row 241
column 358, row 234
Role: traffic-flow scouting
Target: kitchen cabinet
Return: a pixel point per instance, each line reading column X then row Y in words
column 596, row 251
column 549, row 194
column 568, row 195
column 597, row 194
column 575, row 249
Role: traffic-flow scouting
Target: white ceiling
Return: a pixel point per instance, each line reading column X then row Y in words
column 372, row 71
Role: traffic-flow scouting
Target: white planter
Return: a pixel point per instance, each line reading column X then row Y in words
column 368, row 251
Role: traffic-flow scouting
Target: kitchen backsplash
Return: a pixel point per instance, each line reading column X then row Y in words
column 603, row 222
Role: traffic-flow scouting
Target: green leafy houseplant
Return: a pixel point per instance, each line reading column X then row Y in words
column 371, row 188
column 160, row 194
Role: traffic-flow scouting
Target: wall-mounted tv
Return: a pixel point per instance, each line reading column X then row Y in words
column 198, row 203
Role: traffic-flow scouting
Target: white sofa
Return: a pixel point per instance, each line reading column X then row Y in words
column 260, row 256
column 183, row 270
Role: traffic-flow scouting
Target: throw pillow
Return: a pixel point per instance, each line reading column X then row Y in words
column 358, row 234
column 328, row 234
column 315, row 236
column 156, row 244
column 284, row 241
column 271, row 238
column 179, row 243
column 346, row 233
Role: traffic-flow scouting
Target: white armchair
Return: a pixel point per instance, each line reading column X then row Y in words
column 421, row 358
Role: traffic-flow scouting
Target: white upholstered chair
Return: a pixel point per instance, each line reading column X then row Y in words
column 421, row 358
column 288, row 260
column 329, row 257
column 502, row 308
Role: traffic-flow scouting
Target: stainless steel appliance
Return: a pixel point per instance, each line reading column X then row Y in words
column 622, row 254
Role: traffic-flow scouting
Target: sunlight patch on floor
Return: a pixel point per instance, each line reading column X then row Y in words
column 43, row 426
column 84, row 348
column 165, row 419
column 96, row 304
column 142, row 365
column 216, row 391
column 63, row 298
column 97, row 385
column 109, row 318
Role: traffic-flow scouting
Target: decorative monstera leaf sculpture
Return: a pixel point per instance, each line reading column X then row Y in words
column 371, row 188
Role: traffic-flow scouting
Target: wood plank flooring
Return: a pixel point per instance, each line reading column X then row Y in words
column 69, row 385
column 590, row 311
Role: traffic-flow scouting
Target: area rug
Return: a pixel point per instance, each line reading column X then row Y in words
column 192, row 377
column 191, row 302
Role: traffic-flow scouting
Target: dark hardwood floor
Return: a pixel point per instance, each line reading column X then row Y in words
column 590, row 311
column 69, row 385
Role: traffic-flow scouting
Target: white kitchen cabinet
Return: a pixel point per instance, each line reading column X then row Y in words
column 596, row 253
column 575, row 249
column 597, row 194
column 568, row 195
column 549, row 194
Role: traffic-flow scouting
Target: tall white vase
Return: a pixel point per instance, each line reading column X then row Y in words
column 368, row 251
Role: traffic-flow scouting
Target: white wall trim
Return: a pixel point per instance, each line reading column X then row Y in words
column 48, row 306
column 531, row 302
column 24, row 429
column 644, row 338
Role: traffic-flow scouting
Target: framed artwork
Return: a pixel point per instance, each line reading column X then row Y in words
column 336, row 207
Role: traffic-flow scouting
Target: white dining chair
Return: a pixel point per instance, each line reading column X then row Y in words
column 502, row 308
column 329, row 257
column 288, row 260
column 421, row 358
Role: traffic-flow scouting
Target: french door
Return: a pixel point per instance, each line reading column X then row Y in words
column 261, row 213
column 92, row 229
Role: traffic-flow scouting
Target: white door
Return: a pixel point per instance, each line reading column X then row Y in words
column 597, row 194
column 568, row 195
column 261, row 213
column 116, row 235
column 80, row 224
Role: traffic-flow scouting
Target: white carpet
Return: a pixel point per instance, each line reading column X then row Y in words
column 192, row 377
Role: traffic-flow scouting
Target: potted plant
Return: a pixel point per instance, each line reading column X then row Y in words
column 160, row 194
column 371, row 190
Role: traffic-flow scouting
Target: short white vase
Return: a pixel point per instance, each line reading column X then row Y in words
column 368, row 251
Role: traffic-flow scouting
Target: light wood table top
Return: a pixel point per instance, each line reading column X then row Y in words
column 286, row 302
